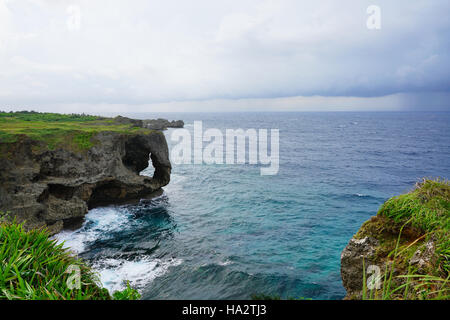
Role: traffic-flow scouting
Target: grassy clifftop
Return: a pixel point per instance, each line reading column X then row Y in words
column 412, row 233
column 72, row 131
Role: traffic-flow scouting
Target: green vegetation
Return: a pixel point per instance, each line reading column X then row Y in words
column 35, row 267
column 127, row 294
column 75, row 132
column 427, row 206
column 48, row 117
column 405, row 225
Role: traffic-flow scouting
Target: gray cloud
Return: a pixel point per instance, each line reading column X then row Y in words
column 167, row 53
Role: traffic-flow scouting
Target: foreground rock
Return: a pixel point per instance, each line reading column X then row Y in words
column 54, row 188
column 352, row 258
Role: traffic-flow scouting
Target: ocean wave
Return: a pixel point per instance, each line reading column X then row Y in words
column 115, row 272
column 225, row 263
column 98, row 224
column 361, row 195
column 103, row 224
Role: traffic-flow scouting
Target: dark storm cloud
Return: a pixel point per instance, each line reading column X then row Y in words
column 177, row 51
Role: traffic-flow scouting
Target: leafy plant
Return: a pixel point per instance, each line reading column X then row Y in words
column 35, row 267
column 127, row 294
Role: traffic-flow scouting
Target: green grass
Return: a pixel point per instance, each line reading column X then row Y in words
column 428, row 206
column 34, row 267
column 48, row 117
column 73, row 132
column 409, row 286
column 403, row 225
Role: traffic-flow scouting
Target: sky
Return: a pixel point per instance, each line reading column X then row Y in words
column 224, row 55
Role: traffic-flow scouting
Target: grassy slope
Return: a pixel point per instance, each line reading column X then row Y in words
column 75, row 132
column 427, row 208
column 405, row 224
column 35, row 267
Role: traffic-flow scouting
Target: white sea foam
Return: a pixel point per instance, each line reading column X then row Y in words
column 225, row 263
column 75, row 242
column 361, row 195
column 114, row 272
column 101, row 222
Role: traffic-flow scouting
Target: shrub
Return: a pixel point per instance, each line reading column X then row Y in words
column 35, row 267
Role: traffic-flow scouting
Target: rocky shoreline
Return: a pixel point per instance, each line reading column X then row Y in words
column 55, row 188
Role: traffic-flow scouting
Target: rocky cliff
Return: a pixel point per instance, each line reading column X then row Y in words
column 162, row 124
column 404, row 251
column 53, row 187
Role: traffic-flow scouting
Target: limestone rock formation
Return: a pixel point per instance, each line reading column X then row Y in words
column 162, row 124
column 352, row 258
column 52, row 188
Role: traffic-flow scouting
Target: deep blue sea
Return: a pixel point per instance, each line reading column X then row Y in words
column 226, row 232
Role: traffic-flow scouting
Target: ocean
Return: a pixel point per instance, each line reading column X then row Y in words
column 227, row 232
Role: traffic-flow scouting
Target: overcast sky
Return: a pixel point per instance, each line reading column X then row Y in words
column 223, row 55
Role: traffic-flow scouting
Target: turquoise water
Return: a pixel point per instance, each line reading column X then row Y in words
column 226, row 232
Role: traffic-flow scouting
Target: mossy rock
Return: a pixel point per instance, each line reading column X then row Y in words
column 412, row 243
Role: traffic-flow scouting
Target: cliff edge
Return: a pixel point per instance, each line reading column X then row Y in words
column 404, row 251
column 53, row 168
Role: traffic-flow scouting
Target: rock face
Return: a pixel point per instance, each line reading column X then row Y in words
column 352, row 258
column 162, row 124
column 55, row 187
column 125, row 120
column 424, row 257
column 152, row 124
column 375, row 243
